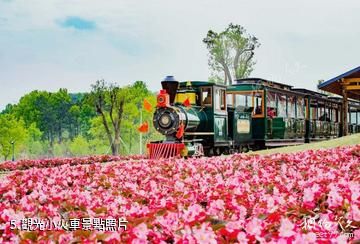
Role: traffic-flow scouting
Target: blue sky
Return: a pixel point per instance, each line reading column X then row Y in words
column 78, row 23
column 47, row 45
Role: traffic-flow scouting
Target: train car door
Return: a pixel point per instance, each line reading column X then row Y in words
column 242, row 127
column 220, row 117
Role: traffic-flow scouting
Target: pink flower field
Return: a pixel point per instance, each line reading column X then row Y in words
column 306, row 197
column 52, row 162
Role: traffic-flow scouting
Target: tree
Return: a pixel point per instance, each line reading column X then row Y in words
column 118, row 112
column 109, row 99
column 231, row 53
column 11, row 131
column 79, row 147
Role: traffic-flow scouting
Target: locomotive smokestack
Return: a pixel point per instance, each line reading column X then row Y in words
column 170, row 84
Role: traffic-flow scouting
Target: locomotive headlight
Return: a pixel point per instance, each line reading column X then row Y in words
column 165, row 120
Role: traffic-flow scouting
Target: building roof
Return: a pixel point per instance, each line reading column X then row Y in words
column 334, row 85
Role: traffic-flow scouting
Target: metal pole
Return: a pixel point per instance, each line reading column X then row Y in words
column 130, row 139
column 13, row 151
column 140, row 133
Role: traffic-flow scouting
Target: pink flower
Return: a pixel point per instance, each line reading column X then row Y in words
column 355, row 191
column 10, row 194
column 192, row 213
column 169, row 221
column 310, row 237
column 286, row 228
column 308, row 195
column 355, row 212
column 141, row 231
column 66, row 238
column 234, row 225
column 341, row 239
column 204, row 235
column 254, row 227
column 335, row 199
column 113, row 237
column 315, row 188
column 216, row 207
column 357, row 234
column 241, row 237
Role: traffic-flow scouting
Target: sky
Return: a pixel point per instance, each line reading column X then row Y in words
column 52, row 44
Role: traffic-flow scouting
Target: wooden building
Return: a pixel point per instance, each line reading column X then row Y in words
column 346, row 85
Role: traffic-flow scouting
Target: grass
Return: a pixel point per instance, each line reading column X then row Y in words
column 342, row 141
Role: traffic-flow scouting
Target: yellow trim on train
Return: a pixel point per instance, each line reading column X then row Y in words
column 181, row 97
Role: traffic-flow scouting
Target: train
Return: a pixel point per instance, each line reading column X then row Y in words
column 201, row 118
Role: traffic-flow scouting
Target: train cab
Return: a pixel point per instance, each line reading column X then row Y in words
column 209, row 100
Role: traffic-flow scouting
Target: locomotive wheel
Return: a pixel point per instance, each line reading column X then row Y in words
column 226, row 151
column 243, row 149
column 209, row 152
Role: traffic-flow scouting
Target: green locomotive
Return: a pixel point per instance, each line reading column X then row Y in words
column 202, row 118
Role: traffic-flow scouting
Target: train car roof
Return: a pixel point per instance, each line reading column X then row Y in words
column 199, row 83
column 261, row 81
column 310, row 92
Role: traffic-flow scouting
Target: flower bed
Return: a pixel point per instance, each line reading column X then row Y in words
column 305, row 197
column 53, row 162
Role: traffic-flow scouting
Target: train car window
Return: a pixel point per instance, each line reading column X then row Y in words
column 327, row 113
column 271, row 110
column 336, row 112
column 243, row 102
column 291, row 106
column 300, row 108
column 334, row 115
column 282, row 106
column 353, row 117
column 206, row 96
column 313, row 112
column 321, row 112
column 229, row 100
column 222, row 99
column 258, row 103
column 217, row 99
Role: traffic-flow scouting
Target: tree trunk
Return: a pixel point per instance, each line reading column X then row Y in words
column 116, row 145
column 228, row 74
column 108, row 132
column 236, row 61
column 117, row 125
column 60, row 133
column 115, row 148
